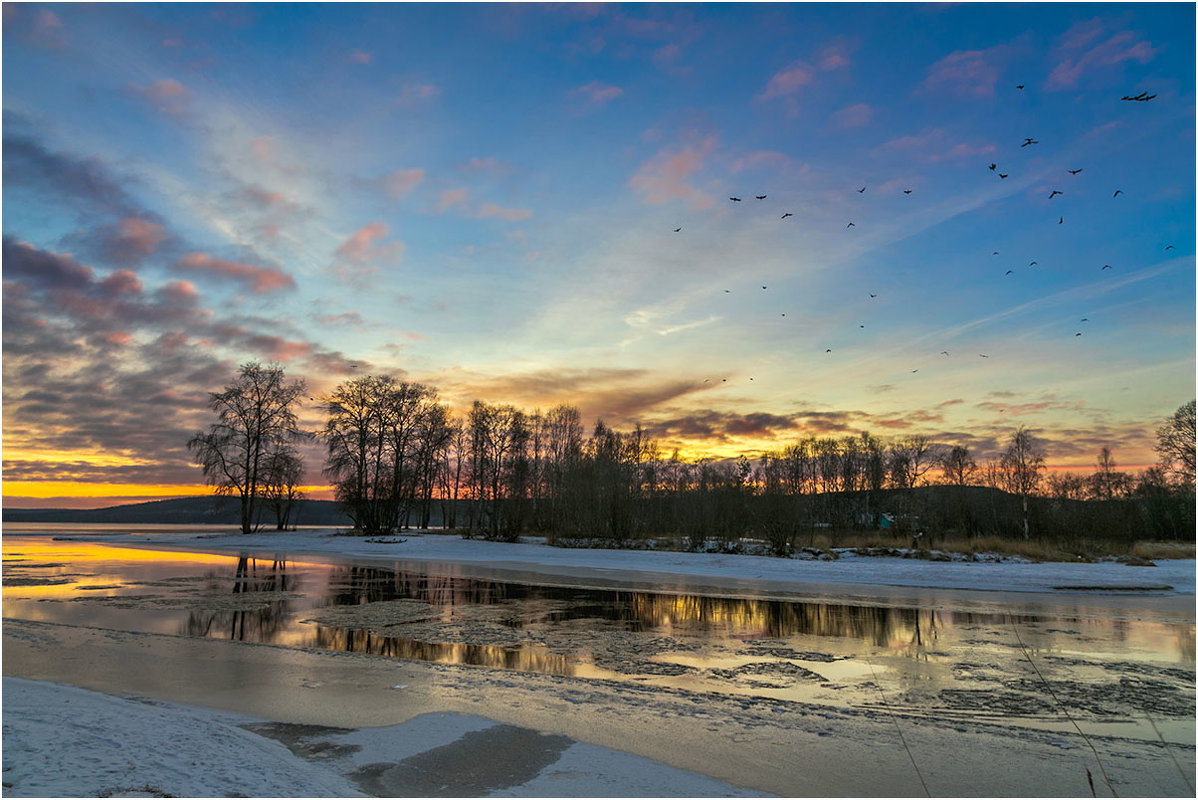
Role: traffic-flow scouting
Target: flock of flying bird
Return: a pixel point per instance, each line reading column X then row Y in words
column 1142, row 97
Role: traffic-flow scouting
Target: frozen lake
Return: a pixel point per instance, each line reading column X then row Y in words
column 1008, row 662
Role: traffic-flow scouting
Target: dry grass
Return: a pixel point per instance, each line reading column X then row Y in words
column 1151, row 550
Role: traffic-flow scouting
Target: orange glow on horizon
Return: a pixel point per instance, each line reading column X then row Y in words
column 54, row 489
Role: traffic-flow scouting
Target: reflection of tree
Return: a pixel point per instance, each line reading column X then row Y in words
column 249, row 619
column 913, row 630
column 365, row 642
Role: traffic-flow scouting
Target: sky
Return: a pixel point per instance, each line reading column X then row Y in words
column 531, row 204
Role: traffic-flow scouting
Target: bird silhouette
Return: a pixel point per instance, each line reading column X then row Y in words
column 1117, row 193
column 851, row 225
column 734, row 199
column 860, row 326
column 1073, row 171
column 1029, row 140
column 760, row 196
column 1060, row 220
column 1010, row 271
column 1019, row 87
column 677, row 229
column 1105, row 266
column 982, row 355
column 762, row 287
column 993, row 167
column 995, row 252
column 1032, row 263
column 787, row 214
column 861, row 190
column 1170, row 247
column 943, row 352
column 829, row 350
column 727, row 291
column 1055, row 192
column 1079, row 333
column 1085, row 319
column 871, row 294
column 1142, row 97
column 914, row 370
column 906, row 191
column 1002, row 174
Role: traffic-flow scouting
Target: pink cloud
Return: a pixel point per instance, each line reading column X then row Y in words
column 365, row 246
column 452, row 198
column 181, row 293
column 664, row 177
column 513, row 214
column 278, row 349
column 47, row 30
column 168, row 95
column 415, row 92
column 140, row 236
column 1122, row 46
column 964, row 72
column 397, row 184
column 488, row 164
column 259, row 279
column 360, row 56
column 786, row 81
column 122, row 281
column 119, row 338
column 853, row 116
column 930, row 146
column 833, row 57
column 597, row 93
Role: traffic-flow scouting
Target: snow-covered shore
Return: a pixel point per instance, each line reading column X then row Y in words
column 1172, row 577
column 62, row 741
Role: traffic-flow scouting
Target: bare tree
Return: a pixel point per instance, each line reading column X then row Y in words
column 1175, row 445
column 1021, row 464
column 254, row 418
column 957, row 466
column 283, row 474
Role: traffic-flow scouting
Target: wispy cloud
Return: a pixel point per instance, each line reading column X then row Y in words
column 168, row 96
column 965, row 73
column 1079, row 52
column 487, row 210
column 597, row 94
column 366, row 246
column 853, row 116
column 399, row 183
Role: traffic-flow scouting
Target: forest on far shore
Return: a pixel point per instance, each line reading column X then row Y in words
column 394, row 453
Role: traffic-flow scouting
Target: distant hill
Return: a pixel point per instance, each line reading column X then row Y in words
column 183, row 511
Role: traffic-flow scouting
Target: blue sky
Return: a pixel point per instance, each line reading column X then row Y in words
column 484, row 198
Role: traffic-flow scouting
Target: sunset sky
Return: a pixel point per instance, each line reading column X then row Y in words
column 484, row 198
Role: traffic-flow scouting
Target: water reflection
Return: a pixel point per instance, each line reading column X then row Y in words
column 259, row 607
column 522, row 659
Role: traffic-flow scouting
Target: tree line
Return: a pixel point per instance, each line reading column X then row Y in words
column 394, row 452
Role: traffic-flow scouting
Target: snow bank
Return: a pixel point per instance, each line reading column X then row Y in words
column 60, row 741
column 1176, row 577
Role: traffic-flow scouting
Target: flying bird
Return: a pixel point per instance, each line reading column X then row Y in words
column 1079, row 333
column 1029, row 140
column 829, row 350
column 1002, row 174
column 677, row 229
column 993, row 167
column 871, row 294
column 1105, row 266
column 1010, row 271
column 906, row 191
column 1019, row 87
column 1060, row 220
column 1055, row 192
column 1142, row 97
column 943, row 352
column 1170, row 247
column 983, row 355
column 734, row 199
column 762, row 287
column 787, row 214
column 861, row 190
column 1085, row 319
column 1073, row 171
column 995, row 252
column 851, row 225
column 1117, row 193
column 760, row 196
column 1032, row 263
column 860, row 326
column 914, row 370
